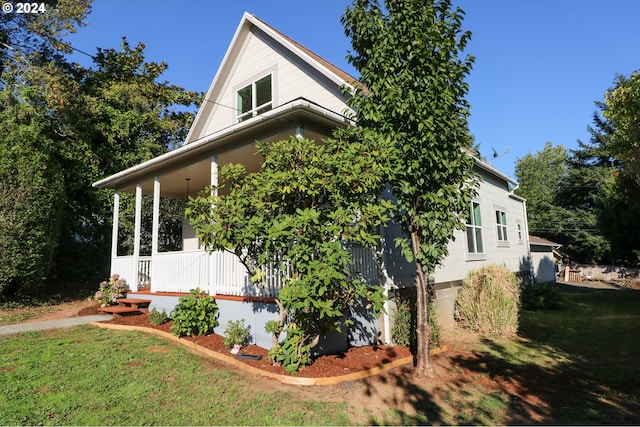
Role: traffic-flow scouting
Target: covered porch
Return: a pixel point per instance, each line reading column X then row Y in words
column 148, row 262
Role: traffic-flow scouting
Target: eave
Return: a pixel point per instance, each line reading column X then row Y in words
column 296, row 110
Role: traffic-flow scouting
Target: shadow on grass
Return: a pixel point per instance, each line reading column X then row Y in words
column 577, row 365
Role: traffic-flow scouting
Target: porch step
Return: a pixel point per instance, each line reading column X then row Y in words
column 120, row 310
column 128, row 306
column 139, row 304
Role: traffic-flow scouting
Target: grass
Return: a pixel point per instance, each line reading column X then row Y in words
column 89, row 376
column 12, row 315
column 580, row 362
column 575, row 366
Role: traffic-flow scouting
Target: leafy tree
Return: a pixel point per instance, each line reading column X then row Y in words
column 69, row 126
column 618, row 208
column 31, row 191
column 411, row 92
column 560, row 187
column 31, row 147
column 32, row 39
column 623, row 112
column 300, row 213
column 539, row 176
column 124, row 115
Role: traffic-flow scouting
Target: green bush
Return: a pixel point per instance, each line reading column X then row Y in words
column 489, row 301
column 236, row 333
column 195, row 314
column 542, row 296
column 403, row 330
column 158, row 317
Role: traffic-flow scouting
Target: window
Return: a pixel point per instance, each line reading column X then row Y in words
column 519, row 231
column 501, row 223
column 474, row 230
column 255, row 99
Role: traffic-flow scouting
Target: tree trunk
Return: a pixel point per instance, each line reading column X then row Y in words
column 423, row 333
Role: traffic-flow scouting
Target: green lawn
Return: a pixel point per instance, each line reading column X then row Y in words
column 577, row 365
column 90, row 376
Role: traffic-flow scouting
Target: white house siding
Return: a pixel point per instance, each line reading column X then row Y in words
column 493, row 194
column 291, row 79
column 513, row 255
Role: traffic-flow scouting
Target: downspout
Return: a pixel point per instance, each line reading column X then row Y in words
column 387, row 282
column 384, row 277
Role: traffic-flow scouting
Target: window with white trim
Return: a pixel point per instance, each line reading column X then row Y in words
column 475, row 245
column 255, row 98
column 519, row 231
column 501, row 224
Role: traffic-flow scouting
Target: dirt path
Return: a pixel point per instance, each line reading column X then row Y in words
column 54, row 312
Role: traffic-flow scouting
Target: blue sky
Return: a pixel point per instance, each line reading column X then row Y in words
column 540, row 64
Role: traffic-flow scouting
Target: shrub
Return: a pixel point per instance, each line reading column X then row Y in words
column 110, row 290
column 236, row 333
column 543, row 296
column 489, row 300
column 158, row 317
column 195, row 314
column 403, row 330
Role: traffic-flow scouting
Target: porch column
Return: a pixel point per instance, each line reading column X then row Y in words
column 156, row 216
column 114, row 229
column 214, row 173
column 136, row 238
column 212, row 270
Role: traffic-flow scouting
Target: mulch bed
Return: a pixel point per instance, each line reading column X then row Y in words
column 355, row 359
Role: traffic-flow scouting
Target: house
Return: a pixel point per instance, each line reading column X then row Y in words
column 268, row 88
column 543, row 256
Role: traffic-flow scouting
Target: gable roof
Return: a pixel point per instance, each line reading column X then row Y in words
column 343, row 75
column 324, row 67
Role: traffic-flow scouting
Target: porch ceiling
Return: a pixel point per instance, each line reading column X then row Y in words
column 232, row 145
column 173, row 183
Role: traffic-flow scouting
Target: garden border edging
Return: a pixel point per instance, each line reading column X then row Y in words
column 286, row 379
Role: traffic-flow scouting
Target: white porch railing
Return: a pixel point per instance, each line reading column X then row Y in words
column 144, row 272
column 218, row 273
column 123, row 266
column 180, row 271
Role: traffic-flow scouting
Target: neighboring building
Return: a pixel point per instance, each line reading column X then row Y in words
column 543, row 259
column 268, row 88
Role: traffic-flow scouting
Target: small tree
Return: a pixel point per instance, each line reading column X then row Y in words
column 412, row 93
column 299, row 213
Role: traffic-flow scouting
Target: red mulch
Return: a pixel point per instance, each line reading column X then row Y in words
column 355, row 359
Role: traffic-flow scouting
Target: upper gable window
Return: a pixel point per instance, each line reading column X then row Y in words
column 255, row 98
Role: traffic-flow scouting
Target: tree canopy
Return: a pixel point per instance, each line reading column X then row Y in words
column 412, row 92
column 300, row 213
column 63, row 127
column 623, row 113
column 584, row 198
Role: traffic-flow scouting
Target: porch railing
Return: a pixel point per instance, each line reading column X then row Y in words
column 220, row 272
column 144, row 273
